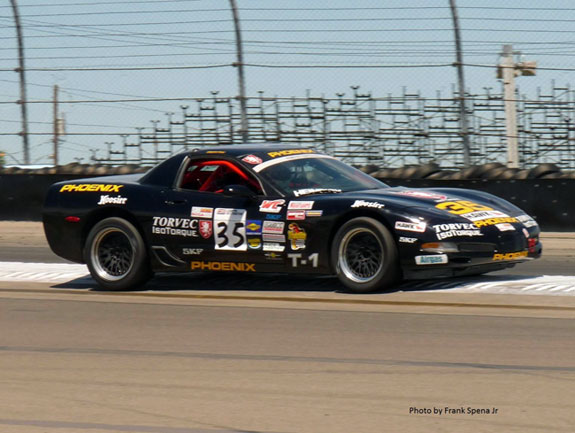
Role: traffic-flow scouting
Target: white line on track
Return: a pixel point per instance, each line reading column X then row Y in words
column 554, row 285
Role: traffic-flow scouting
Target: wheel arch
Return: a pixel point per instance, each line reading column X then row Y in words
column 356, row 213
column 98, row 215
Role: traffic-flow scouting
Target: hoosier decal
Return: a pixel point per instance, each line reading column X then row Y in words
column 106, row 199
column 91, row 187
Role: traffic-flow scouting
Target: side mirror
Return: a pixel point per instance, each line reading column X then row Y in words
column 239, row 191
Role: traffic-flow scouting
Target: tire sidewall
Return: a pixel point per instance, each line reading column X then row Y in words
column 387, row 275
column 140, row 270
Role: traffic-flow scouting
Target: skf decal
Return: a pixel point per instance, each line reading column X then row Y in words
column 206, row 229
column 509, row 256
column 297, row 237
column 223, row 266
column 192, row 251
column 106, row 199
column 252, row 159
column 410, row 227
column 272, row 206
column 289, row 152
column 91, row 187
column 371, row 204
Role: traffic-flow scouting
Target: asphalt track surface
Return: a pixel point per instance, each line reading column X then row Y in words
column 274, row 354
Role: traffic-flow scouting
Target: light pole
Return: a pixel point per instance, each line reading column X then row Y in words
column 463, row 123
column 241, row 78
column 21, row 69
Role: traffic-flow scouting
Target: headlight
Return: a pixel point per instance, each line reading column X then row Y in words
column 439, row 247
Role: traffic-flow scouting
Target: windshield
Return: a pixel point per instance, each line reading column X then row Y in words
column 316, row 175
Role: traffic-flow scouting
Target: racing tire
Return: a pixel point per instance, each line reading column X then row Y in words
column 365, row 256
column 116, row 255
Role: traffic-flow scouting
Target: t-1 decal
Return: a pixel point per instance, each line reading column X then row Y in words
column 298, row 260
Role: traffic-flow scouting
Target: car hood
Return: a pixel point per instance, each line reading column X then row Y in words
column 429, row 198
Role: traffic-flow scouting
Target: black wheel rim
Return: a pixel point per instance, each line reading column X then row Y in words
column 361, row 255
column 113, row 254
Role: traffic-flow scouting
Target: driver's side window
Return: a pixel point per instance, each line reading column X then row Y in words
column 215, row 175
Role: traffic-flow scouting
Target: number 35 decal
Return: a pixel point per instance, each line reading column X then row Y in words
column 230, row 229
column 462, row 207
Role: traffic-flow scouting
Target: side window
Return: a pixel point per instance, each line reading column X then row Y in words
column 215, row 175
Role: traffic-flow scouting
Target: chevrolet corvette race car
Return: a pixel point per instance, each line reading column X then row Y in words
column 283, row 210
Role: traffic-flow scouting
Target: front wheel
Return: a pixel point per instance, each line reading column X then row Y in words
column 365, row 256
column 116, row 255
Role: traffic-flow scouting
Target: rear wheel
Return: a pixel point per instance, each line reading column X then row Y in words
column 116, row 255
column 365, row 256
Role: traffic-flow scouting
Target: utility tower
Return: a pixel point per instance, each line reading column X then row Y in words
column 507, row 70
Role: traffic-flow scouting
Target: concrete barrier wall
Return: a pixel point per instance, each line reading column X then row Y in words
column 550, row 201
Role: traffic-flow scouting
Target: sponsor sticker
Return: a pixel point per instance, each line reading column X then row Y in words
column 436, row 259
column 106, row 199
column 370, row 204
column 313, row 213
column 273, row 256
column 222, row 266
column 91, row 187
column 274, row 246
column 493, row 221
column 505, row 227
column 411, row 227
column 205, row 228
column 192, row 251
column 274, row 227
column 297, row 237
column 252, row 159
column 296, row 215
column 273, row 238
column 445, row 231
column 423, row 194
column 527, row 221
column 254, row 243
column 407, row 240
column 300, row 205
column 289, row 152
column 483, row 215
column 272, row 206
column 202, row 212
column 253, row 227
column 308, row 191
column 273, row 217
column 184, row 227
column 510, row 256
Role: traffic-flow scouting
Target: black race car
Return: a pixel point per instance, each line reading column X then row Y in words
column 279, row 209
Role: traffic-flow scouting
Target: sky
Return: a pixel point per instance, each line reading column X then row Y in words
column 101, row 53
